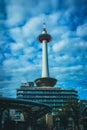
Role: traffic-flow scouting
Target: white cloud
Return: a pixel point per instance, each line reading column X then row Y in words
column 30, row 29
column 82, row 30
column 26, row 68
column 15, row 13
column 60, row 45
column 11, row 63
column 16, row 46
column 8, row 81
column 17, row 34
column 83, row 44
column 68, row 34
column 54, row 17
column 29, row 51
column 63, row 58
column 20, row 11
column 66, row 69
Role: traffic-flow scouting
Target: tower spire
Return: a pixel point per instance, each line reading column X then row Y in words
column 44, row 25
column 44, row 28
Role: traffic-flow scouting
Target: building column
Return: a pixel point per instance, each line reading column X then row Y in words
column 49, row 121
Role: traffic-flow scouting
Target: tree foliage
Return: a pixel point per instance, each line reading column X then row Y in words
column 70, row 110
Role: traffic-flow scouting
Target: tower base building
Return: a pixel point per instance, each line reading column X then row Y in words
column 53, row 96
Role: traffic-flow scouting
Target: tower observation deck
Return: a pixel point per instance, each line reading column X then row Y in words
column 45, row 80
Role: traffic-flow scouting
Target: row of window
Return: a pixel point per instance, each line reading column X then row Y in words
column 47, row 96
column 45, row 92
column 49, row 100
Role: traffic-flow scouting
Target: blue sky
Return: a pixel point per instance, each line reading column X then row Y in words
column 21, row 21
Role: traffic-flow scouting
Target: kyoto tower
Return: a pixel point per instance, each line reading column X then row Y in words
column 46, row 80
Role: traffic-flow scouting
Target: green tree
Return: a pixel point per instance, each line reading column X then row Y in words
column 42, row 123
column 84, row 118
column 70, row 110
column 76, row 114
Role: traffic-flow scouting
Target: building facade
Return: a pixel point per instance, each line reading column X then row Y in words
column 52, row 96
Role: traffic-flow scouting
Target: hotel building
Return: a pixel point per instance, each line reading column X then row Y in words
column 52, row 96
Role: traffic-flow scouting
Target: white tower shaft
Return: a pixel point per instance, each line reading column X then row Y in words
column 45, row 69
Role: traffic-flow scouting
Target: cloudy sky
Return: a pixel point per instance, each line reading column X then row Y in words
column 21, row 21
